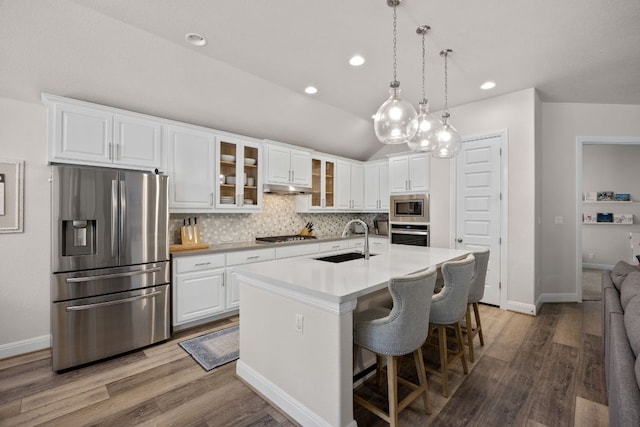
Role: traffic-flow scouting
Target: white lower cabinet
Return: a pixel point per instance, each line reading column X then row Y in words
column 240, row 258
column 198, row 287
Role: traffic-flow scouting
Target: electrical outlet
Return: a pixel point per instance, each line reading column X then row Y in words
column 299, row 325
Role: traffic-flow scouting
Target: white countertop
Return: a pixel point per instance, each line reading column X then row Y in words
column 340, row 282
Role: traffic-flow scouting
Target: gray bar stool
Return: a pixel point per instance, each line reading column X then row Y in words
column 476, row 293
column 398, row 332
column 448, row 308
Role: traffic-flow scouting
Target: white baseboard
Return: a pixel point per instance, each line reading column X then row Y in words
column 566, row 297
column 26, row 346
column 521, row 307
column 597, row 266
column 280, row 398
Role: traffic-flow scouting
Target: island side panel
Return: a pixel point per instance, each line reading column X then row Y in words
column 308, row 374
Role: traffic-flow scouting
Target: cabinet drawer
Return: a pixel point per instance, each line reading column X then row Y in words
column 334, row 246
column 356, row 243
column 247, row 257
column 198, row 262
column 297, row 250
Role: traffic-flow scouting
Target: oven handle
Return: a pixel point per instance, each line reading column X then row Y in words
column 412, row 233
column 112, row 276
column 107, row 303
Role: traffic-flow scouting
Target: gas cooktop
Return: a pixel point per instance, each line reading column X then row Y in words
column 289, row 238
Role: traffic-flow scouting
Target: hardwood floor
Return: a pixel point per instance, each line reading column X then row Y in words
column 533, row 371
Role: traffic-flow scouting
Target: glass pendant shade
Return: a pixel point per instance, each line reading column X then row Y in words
column 448, row 140
column 425, row 138
column 396, row 121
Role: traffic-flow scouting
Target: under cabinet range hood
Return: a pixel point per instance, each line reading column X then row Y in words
column 286, row 189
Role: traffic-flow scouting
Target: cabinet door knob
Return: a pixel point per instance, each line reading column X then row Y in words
column 459, row 240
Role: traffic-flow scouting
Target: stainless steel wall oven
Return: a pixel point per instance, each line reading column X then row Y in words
column 410, row 234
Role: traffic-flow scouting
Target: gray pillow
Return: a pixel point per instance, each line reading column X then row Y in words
column 630, row 288
column 632, row 324
column 620, row 271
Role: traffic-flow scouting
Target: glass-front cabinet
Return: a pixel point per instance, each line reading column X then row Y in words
column 322, row 183
column 239, row 179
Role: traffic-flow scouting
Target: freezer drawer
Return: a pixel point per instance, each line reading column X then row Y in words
column 89, row 329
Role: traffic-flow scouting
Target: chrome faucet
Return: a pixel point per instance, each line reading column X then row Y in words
column 366, row 234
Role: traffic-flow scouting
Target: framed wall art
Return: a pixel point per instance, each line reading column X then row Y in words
column 11, row 196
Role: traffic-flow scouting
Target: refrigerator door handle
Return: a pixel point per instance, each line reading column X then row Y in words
column 112, row 276
column 123, row 210
column 107, row 303
column 114, row 218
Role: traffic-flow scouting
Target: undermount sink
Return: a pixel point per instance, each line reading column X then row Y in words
column 349, row 256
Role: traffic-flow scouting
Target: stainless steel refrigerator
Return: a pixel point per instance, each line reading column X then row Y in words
column 110, row 256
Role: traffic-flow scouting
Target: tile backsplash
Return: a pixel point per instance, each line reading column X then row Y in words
column 278, row 217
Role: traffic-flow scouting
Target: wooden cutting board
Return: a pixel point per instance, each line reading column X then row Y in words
column 188, row 247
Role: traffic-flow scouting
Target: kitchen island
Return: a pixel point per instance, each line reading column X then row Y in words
column 296, row 326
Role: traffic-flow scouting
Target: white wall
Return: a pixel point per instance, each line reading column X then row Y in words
column 610, row 168
column 24, row 257
column 561, row 124
column 515, row 113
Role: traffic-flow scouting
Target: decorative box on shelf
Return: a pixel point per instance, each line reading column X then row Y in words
column 605, row 196
column 622, row 197
column 604, row 217
column 623, row 218
column 590, row 196
column 589, row 218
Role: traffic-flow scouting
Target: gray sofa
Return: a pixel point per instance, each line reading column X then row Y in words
column 621, row 336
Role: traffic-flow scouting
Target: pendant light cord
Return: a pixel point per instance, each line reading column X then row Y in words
column 424, row 96
column 395, row 82
column 446, row 53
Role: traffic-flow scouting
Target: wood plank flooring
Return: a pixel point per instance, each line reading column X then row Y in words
column 532, row 371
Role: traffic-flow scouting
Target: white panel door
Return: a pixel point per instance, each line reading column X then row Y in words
column 419, row 173
column 478, row 215
column 279, row 164
column 301, row 168
column 357, row 186
column 343, row 185
column 371, row 186
column 138, row 142
column 199, row 295
column 399, row 174
column 83, row 134
column 191, row 169
column 384, row 186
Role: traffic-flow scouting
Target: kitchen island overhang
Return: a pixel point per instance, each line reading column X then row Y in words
column 296, row 326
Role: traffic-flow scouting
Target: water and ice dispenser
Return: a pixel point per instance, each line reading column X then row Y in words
column 79, row 237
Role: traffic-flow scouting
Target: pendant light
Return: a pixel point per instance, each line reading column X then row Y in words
column 396, row 120
column 448, row 141
column 425, row 139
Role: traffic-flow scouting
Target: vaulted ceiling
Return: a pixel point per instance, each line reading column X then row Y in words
column 261, row 54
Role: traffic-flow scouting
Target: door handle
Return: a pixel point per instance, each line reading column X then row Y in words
column 459, row 240
column 114, row 302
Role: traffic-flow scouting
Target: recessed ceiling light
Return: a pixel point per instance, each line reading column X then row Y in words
column 356, row 60
column 488, row 85
column 311, row 90
column 195, row 39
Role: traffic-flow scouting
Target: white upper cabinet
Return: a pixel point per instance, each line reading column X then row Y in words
column 376, row 186
column 239, row 184
column 91, row 134
column 322, row 197
column 191, row 169
column 349, row 185
column 287, row 165
column 409, row 173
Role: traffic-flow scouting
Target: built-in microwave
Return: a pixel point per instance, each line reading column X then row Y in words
column 409, row 208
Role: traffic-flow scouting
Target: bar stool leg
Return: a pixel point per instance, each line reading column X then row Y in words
column 476, row 312
column 444, row 359
column 422, row 377
column 469, row 328
column 392, row 384
column 465, row 368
